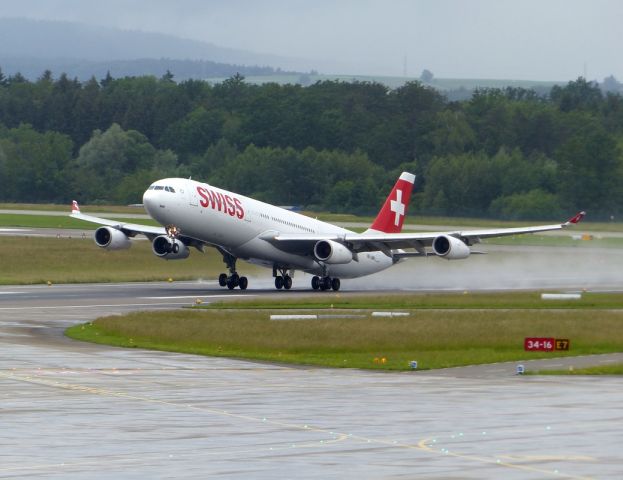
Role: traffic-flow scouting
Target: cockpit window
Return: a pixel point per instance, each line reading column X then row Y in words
column 162, row 187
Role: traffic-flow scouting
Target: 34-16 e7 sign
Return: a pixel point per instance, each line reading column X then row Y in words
column 545, row 344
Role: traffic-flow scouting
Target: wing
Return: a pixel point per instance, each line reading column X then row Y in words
column 130, row 229
column 386, row 242
column 133, row 229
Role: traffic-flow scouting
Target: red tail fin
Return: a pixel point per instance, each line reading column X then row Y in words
column 577, row 218
column 392, row 214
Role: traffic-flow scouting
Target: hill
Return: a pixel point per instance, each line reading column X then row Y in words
column 32, row 46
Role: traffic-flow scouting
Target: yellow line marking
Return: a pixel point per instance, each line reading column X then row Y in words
column 422, row 444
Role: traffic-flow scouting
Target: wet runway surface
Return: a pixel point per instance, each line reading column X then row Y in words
column 74, row 410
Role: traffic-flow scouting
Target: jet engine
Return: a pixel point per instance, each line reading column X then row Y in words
column 331, row 252
column 169, row 248
column 450, row 248
column 111, row 239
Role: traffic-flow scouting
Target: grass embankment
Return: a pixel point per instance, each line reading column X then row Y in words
column 435, row 338
column 32, row 260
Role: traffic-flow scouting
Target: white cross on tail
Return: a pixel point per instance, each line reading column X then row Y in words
column 397, row 207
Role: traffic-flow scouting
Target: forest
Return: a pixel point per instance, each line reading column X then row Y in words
column 336, row 146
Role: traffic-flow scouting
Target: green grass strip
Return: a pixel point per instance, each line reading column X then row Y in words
column 34, row 260
column 465, row 301
column 436, row 339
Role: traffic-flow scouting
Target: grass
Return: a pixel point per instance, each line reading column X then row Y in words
column 33, row 260
column 50, row 207
column 47, row 221
column 411, row 223
column 615, row 369
column 435, row 338
column 437, row 301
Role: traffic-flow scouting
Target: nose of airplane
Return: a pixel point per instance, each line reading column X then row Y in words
column 150, row 201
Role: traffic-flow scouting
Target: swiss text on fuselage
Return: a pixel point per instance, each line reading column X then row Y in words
column 221, row 202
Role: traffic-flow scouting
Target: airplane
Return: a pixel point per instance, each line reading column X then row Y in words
column 195, row 214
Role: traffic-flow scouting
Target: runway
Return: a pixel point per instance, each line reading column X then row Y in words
column 74, row 410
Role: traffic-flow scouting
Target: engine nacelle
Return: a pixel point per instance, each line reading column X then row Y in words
column 328, row 251
column 168, row 248
column 450, row 248
column 111, row 239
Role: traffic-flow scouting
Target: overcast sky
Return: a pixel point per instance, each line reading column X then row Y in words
column 530, row 39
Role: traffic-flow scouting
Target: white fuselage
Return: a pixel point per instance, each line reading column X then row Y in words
column 239, row 224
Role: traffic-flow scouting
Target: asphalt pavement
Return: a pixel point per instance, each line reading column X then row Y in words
column 75, row 410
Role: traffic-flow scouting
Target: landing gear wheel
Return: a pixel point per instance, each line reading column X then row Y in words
column 279, row 282
column 230, row 284
column 243, row 283
column 326, row 283
column 235, row 279
column 315, row 282
column 222, row 279
column 287, row 282
column 335, row 284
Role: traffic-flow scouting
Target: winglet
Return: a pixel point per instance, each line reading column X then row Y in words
column 74, row 207
column 576, row 219
column 391, row 216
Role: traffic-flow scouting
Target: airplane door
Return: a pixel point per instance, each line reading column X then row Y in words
column 193, row 198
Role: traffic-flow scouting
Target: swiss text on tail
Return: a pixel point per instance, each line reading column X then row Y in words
column 392, row 214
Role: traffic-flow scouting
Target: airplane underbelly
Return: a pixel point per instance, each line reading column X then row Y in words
column 369, row 263
column 263, row 253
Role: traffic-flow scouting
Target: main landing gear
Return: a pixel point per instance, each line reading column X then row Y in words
column 282, row 278
column 325, row 283
column 232, row 280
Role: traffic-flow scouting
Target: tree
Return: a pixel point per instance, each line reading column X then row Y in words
column 110, row 163
column 451, row 133
column 107, row 80
column 533, row 205
column 426, row 76
column 195, row 132
column 577, row 95
column 34, row 166
column 612, row 85
column 3, row 80
column 591, row 172
column 167, row 77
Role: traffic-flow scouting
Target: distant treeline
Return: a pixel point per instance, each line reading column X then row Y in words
column 338, row 146
column 81, row 69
